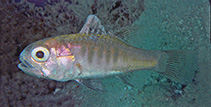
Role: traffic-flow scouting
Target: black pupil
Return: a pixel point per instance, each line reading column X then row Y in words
column 40, row 54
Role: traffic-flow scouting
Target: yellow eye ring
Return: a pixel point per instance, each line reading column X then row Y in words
column 40, row 54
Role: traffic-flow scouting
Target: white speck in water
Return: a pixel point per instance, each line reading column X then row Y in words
column 56, row 90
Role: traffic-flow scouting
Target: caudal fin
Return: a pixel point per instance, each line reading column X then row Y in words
column 179, row 65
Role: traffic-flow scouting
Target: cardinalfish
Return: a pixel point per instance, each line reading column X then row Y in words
column 92, row 53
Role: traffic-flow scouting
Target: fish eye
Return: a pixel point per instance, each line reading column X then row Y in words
column 40, row 54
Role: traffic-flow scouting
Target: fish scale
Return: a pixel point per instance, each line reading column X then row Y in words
column 123, row 56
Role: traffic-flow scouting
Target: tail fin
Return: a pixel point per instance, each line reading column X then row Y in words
column 177, row 65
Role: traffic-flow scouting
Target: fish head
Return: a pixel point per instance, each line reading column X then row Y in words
column 48, row 59
column 37, row 58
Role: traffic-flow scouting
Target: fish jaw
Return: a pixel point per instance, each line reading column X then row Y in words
column 28, row 68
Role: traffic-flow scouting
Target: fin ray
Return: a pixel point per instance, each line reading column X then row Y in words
column 124, row 80
column 178, row 65
column 125, row 33
column 93, row 26
column 93, row 84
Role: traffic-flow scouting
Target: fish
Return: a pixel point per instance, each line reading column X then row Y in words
column 93, row 53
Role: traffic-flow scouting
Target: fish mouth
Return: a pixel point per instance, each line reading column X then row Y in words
column 25, row 64
column 22, row 65
column 28, row 68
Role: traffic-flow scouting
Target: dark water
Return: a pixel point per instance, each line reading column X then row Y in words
column 164, row 25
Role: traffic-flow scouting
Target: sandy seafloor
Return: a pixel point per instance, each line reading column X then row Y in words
column 164, row 25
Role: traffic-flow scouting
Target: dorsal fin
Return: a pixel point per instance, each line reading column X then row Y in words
column 93, row 26
column 125, row 33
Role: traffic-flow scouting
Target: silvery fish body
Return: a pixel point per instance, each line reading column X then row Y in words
column 93, row 54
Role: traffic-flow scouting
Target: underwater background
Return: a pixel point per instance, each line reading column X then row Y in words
column 163, row 25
